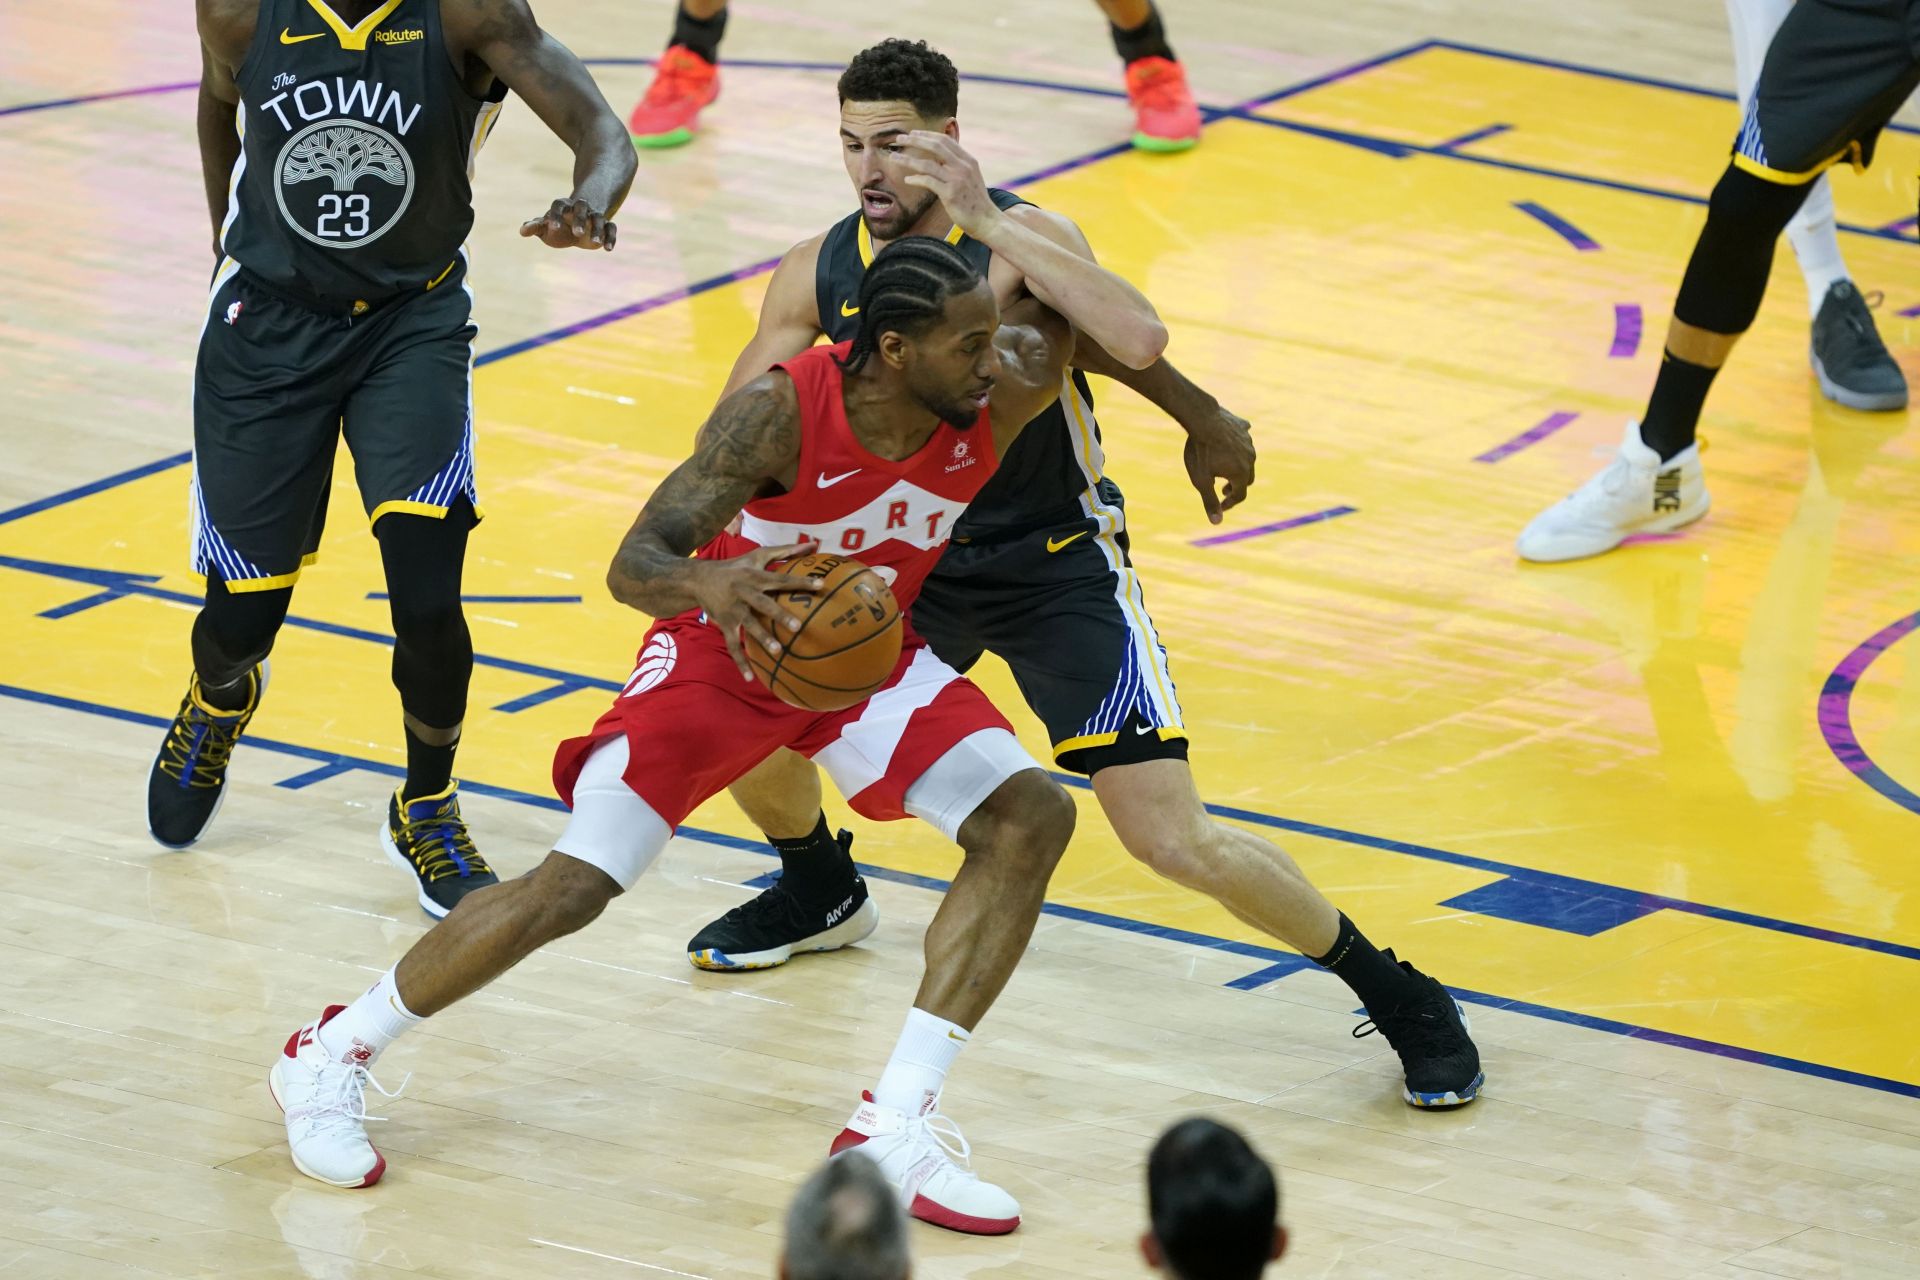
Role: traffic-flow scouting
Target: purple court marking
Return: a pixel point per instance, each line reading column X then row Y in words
column 1531, row 436
column 1908, row 311
column 1478, row 135
column 1277, row 527
column 1836, row 712
column 109, row 96
column 1626, row 330
column 1901, row 225
column 1558, row 225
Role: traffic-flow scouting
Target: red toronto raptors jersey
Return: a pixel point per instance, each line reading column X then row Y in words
column 893, row 517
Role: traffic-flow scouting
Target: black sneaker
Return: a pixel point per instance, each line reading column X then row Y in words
column 189, row 778
column 1429, row 1032
column 1849, row 359
column 430, row 840
column 768, row 929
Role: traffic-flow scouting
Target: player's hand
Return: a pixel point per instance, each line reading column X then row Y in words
column 1220, row 447
column 738, row 595
column 940, row 165
column 572, row 224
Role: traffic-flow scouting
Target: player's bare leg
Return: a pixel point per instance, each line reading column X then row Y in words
column 1012, row 841
column 1158, row 815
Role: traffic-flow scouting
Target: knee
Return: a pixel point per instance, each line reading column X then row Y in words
column 1030, row 816
column 432, row 623
column 1745, row 204
column 570, row 894
column 1174, row 845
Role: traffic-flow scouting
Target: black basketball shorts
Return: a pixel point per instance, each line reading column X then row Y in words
column 275, row 386
column 1063, row 608
column 1835, row 74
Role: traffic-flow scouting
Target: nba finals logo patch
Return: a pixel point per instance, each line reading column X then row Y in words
column 233, row 311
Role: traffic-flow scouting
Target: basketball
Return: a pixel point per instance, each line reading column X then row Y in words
column 849, row 638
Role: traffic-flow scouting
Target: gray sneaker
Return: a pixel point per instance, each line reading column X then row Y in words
column 1848, row 357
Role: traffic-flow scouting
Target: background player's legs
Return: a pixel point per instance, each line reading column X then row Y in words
column 1852, row 364
column 1166, row 117
column 1159, row 817
column 232, row 634
column 686, row 78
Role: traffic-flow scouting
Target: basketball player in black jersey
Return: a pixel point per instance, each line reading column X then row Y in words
column 337, row 142
column 1039, row 574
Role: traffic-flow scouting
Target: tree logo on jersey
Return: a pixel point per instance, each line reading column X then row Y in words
column 343, row 183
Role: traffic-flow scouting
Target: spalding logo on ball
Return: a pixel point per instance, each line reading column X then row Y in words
column 848, row 643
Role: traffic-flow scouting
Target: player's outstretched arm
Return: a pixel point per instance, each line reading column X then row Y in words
column 1047, row 249
column 1219, row 441
column 751, row 442
column 503, row 35
column 1036, row 345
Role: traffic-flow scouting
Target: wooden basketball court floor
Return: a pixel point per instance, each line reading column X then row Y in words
column 1653, row 816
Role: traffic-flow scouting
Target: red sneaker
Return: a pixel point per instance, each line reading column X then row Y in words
column 1166, row 118
column 683, row 82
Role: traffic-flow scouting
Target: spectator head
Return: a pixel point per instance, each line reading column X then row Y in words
column 1214, row 1204
column 846, row 1224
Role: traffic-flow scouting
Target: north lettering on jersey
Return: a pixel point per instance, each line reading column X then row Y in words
column 344, row 175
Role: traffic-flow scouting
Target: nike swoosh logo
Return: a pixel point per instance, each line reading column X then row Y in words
column 1143, row 730
column 1054, row 544
column 287, row 36
column 828, row 484
column 846, row 310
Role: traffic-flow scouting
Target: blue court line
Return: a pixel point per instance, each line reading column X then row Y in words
column 1573, row 887
column 1477, row 135
column 62, row 498
column 1558, row 225
column 1276, row 958
column 465, row 599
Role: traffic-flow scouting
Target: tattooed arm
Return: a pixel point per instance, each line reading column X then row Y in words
column 749, row 446
column 499, row 38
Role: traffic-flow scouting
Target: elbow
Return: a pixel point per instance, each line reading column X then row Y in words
column 1144, row 346
column 619, row 585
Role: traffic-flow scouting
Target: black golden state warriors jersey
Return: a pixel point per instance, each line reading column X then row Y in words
column 357, row 144
column 1056, row 459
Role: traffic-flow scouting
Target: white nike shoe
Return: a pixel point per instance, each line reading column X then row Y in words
column 325, row 1107
column 924, row 1157
column 1636, row 493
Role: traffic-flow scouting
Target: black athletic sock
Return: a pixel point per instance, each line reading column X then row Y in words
column 702, row 35
column 1673, row 411
column 1148, row 40
column 815, row 867
column 1375, row 977
column 429, row 768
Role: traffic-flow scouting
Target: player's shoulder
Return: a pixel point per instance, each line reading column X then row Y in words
column 226, row 26
column 804, row 256
column 1048, row 222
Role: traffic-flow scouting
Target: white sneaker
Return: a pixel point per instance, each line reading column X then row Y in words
column 326, row 1111
column 918, row 1155
column 1636, row 493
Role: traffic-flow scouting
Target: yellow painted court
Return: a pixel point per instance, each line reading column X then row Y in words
column 1649, row 814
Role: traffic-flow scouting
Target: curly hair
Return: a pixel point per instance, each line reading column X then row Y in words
column 903, row 71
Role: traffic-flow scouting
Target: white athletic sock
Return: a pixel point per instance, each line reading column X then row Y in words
column 921, row 1059
column 368, row 1025
column 1815, row 242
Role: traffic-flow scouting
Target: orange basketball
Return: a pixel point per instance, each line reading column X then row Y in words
column 849, row 638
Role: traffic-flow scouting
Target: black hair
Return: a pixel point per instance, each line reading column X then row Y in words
column 903, row 71
column 906, row 290
column 1213, row 1202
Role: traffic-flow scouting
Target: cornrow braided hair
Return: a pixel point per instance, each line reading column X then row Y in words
column 905, row 291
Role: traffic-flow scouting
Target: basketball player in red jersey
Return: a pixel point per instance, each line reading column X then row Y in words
column 876, row 444
column 1040, row 575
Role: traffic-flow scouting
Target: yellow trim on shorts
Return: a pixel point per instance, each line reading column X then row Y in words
column 1850, row 153
column 404, row 507
column 241, row 586
column 1167, row 734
